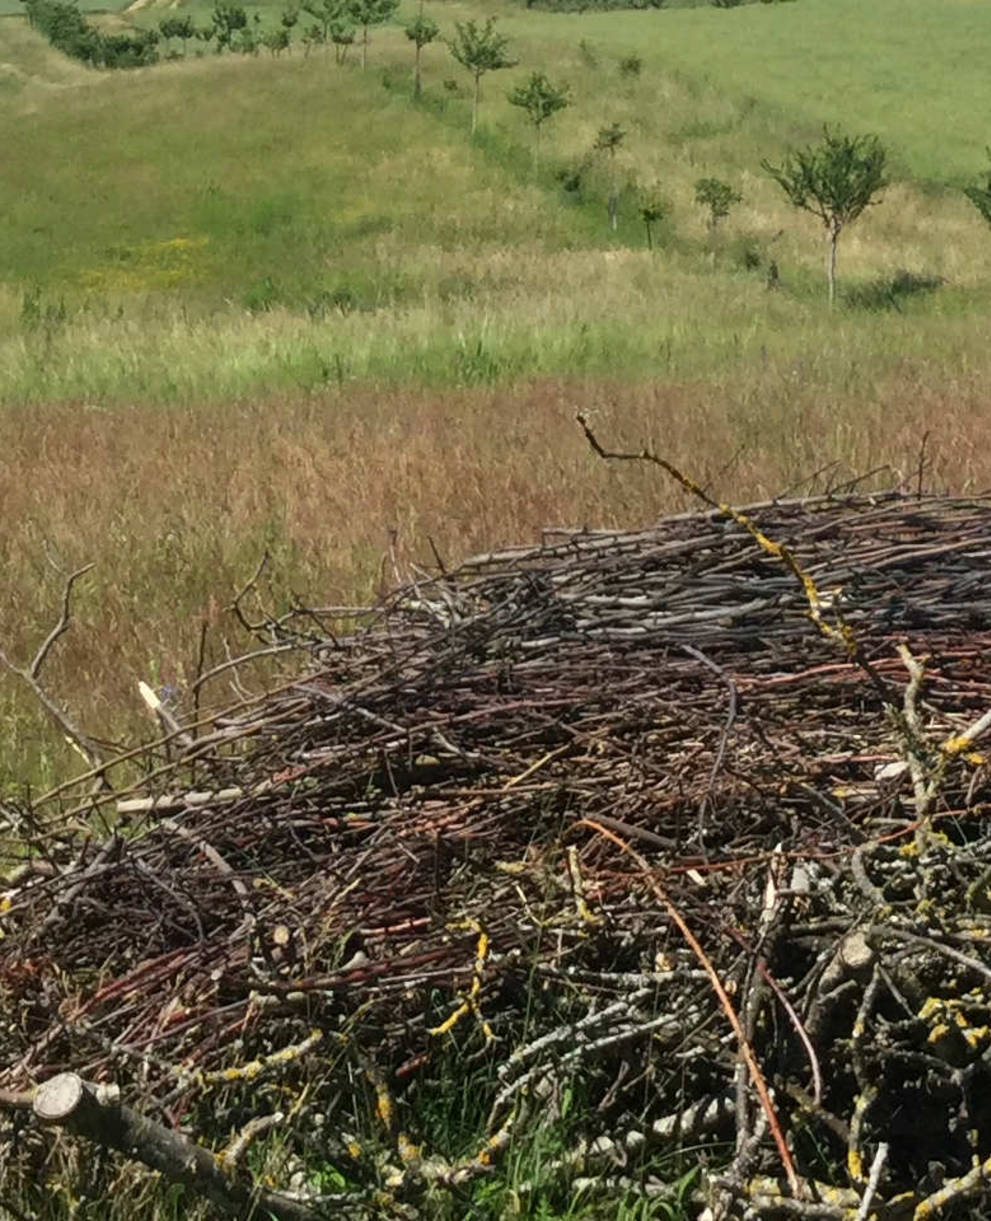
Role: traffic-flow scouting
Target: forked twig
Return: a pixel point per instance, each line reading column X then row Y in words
column 31, row 676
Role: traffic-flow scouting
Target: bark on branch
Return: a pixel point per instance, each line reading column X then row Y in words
column 96, row 1113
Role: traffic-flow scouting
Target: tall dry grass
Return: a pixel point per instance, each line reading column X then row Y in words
column 208, row 392
column 177, row 506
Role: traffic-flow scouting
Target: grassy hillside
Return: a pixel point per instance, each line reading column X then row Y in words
column 256, row 306
column 249, row 303
column 903, row 68
column 225, row 225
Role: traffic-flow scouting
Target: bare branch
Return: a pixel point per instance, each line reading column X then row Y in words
column 30, row 675
column 64, row 620
column 93, row 1112
column 245, row 589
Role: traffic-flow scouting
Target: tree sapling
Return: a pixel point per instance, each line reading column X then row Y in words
column 541, row 100
column 653, row 208
column 480, row 49
column 608, row 140
column 421, row 32
column 366, row 13
column 341, row 34
column 835, row 181
column 718, row 197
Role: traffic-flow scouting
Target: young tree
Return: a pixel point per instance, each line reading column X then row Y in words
column 177, row 27
column 366, row 13
column 289, row 19
column 835, row 181
column 653, row 208
column 980, row 195
column 246, row 41
column 342, row 36
column 718, row 197
column 312, row 37
column 326, row 12
column 277, row 40
column 608, row 140
column 480, row 49
column 227, row 20
column 421, row 32
column 541, row 100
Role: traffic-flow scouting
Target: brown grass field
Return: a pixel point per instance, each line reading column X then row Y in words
column 163, row 420
column 177, row 506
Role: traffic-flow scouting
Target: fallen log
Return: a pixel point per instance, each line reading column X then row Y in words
column 95, row 1113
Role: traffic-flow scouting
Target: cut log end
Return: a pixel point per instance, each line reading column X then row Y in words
column 58, row 1098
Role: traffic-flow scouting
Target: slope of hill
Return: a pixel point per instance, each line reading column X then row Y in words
column 235, row 286
column 29, row 65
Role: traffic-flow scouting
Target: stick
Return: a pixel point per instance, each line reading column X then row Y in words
column 30, row 675
column 96, row 1114
column 746, row 1051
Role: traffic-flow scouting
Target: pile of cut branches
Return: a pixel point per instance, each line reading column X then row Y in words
column 691, row 820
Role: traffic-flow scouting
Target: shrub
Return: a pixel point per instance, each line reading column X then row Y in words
column 589, row 57
column 134, row 50
column 718, row 197
column 980, row 195
column 582, row 6
column 262, row 296
column 66, row 29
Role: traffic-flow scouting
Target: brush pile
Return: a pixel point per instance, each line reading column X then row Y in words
column 543, row 824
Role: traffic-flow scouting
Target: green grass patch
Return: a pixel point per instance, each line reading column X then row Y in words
column 905, row 69
column 227, row 224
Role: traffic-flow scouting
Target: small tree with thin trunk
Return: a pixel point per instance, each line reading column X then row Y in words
column 541, row 100
column 421, row 32
column 653, row 208
column 608, row 140
column 178, row 27
column 277, row 40
column 326, row 12
column 366, row 13
column 718, row 197
column 342, row 36
column 228, row 20
column 835, row 181
column 312, row 37
column 479, row 49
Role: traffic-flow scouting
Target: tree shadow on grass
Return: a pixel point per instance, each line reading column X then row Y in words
column 888, row 292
